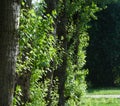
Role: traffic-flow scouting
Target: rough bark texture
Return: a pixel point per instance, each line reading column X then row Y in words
column 9, row 23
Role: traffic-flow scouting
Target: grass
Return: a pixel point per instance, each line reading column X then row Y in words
column 105, row 91
column 102, row 101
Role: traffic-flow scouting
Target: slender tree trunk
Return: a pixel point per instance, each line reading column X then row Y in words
column 60, row 29
column 23, row 79
column 51, row 5
column 62, row 33
column 24, row 82
column 9, row 23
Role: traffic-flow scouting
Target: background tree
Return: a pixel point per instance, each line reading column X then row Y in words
column 71, row 27
column 36, row 53
column 23, row 79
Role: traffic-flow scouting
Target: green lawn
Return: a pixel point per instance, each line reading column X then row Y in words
column 107, row 91
column 102, row 101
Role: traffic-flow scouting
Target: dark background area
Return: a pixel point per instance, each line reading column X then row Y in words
column 103, row 52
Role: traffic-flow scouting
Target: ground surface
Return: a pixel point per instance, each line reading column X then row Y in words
column 102, row 97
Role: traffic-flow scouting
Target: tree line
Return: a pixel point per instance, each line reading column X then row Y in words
column 103, row 50
column 52, row 36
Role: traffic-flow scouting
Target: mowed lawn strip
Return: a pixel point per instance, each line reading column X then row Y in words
column 101, row 102
column 88, row 101
column 103, row 91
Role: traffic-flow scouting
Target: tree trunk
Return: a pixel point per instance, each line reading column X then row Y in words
column 9, row 23
column 24, row 82
column 51, row 5
column 62, row 33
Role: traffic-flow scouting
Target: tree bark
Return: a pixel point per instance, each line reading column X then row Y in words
column 62, row 33
column 51, row 5
column 9, row 23
column 24, row 82
column 60, row 29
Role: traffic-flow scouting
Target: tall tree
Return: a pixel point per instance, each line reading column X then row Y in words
column 9, row 24
column 23, row 80
column 71, row 25
column 51, row 6
column 61, row 32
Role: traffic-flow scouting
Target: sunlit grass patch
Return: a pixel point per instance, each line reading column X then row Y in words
column 104, row 91
column 101, row 102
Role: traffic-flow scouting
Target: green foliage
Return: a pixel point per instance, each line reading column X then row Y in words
column 41, row 51
column 37, row 42
column 38, row 90
column 37, row 50
column 80, row 14
column 17, row 99
column 103, row 51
